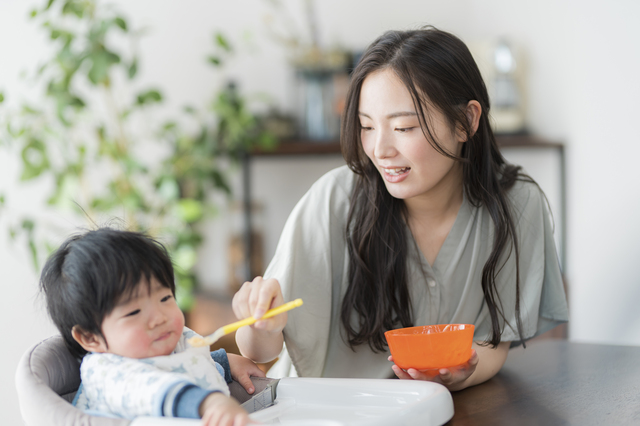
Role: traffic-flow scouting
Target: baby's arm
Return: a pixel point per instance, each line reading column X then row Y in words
column 220, row 410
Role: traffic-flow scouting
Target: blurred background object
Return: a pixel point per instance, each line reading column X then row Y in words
column 321, row 72
column 502, row 67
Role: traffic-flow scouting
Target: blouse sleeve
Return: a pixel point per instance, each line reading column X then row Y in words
column 308, row 259
column 543, row 303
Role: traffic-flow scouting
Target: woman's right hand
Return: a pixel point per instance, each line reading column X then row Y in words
column 257, row 297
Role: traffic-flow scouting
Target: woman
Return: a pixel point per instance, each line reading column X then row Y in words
column 427, row 224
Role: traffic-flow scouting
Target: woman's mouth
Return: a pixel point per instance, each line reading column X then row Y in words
column 396, row 171
column 395, row 174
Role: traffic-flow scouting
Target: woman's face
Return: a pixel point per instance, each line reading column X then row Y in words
column 395, row 143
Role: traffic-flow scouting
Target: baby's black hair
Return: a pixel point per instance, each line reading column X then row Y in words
column 86, row 277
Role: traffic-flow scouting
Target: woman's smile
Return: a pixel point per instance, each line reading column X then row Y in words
column 395, row 175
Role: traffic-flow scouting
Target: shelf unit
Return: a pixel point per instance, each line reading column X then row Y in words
column 297, row 148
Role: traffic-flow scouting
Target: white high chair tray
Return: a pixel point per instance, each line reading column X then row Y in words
column 347, row 402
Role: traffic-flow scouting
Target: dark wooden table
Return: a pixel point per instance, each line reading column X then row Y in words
column 556, row 382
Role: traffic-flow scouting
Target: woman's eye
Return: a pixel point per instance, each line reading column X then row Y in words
column 164, row 299
column 132, row 313
column 404, row 129
column 365, row 128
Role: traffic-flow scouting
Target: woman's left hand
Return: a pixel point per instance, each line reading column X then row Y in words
column 453, row 377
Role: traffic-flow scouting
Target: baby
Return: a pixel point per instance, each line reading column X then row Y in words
column 111, row 294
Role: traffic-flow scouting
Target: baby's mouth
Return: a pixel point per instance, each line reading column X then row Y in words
column 163, row 336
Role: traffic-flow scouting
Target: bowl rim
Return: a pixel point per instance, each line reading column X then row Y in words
column 406, row 331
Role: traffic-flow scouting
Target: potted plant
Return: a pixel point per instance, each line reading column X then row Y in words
column 90, row 137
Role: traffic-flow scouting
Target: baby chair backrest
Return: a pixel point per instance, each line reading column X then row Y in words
column 47, row 379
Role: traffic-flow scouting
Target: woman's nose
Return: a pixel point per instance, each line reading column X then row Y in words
column 384, row 147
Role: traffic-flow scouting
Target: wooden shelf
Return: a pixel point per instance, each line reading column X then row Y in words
column 301, row 147
column 307, row 147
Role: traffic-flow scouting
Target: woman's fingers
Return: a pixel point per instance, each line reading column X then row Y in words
column 255, row 298
column 400, row 373
column 446, row 376
column 269, row 295
column 240, row 301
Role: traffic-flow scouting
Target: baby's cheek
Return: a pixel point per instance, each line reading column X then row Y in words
column 179, row 321
column 142, row 346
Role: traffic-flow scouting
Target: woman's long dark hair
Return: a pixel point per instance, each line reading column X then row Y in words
column 434, row 64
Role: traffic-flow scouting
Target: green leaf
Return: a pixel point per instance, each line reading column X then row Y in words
column 215, row 60
column 222, row 41
column 267, row 141
column 169, row 125
column 185, row 258
column 34, row 159
column 121, row 23
column 34, row 13
column 73, row 7
column 1, row 97
column 133, row 69
column 26, row 109
column 220, row 182
column 76, row 102
column 28, row 225
column 101, row 59
column 149, row 97
column 189, row 210
column 184, row 293
column 34, row 251
column 168, row 189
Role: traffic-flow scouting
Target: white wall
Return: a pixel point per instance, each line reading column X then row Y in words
column 582, row 61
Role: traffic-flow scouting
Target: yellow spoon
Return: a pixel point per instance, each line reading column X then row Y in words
column 213, row 337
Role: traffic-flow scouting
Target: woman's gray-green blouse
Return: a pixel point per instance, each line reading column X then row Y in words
column 311, row 262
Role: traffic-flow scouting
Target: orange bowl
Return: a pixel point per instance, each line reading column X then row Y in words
column 431, row 347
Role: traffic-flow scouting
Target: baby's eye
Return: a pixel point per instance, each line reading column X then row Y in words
column 164, row 299
column 132, row 313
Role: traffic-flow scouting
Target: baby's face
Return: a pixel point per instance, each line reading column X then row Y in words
column 146, row 325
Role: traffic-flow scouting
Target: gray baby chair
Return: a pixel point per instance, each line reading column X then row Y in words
column 48, row 377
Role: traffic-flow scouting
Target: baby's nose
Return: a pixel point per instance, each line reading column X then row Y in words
column 157, row 318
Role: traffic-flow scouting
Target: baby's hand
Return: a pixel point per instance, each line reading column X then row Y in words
column 242, row 369
column 217, row 409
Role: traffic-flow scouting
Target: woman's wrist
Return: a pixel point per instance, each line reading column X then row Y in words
column 259, row 345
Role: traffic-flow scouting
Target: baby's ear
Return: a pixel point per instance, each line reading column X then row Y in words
column 89, row 341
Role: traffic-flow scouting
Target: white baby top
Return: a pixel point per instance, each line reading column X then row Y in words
column 128, row 387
